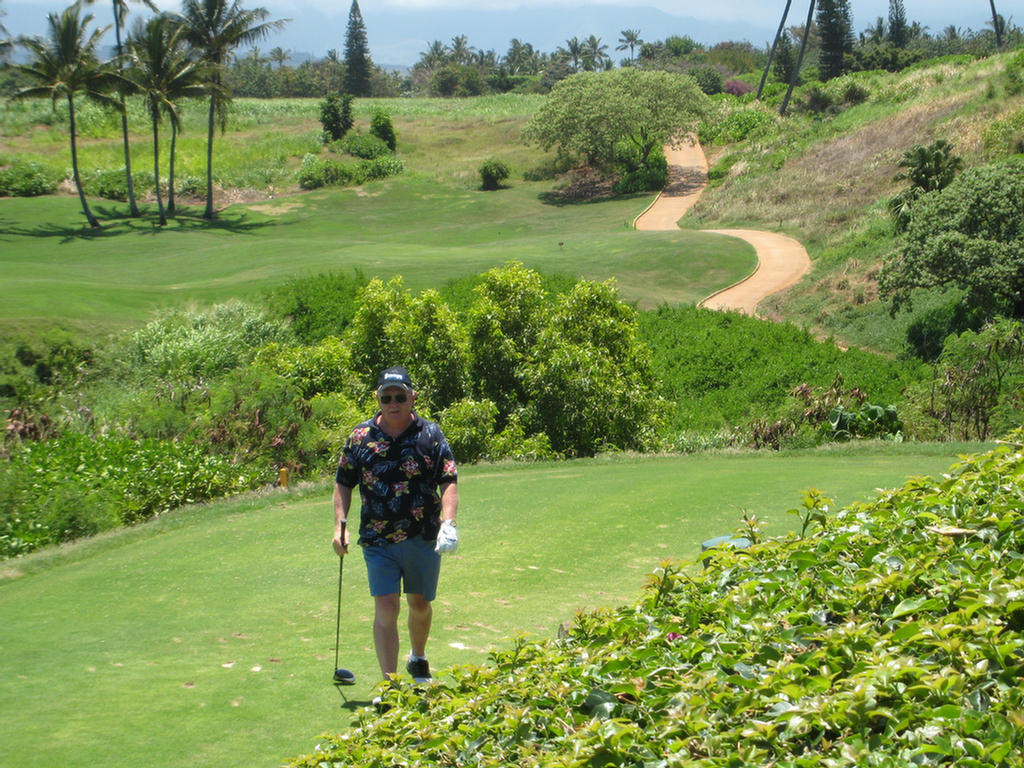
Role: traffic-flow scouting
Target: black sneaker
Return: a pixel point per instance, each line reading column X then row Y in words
column 380, row 705
column 419, row 669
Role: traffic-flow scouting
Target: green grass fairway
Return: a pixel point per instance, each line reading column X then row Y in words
column 205, row 638
column 53, row 270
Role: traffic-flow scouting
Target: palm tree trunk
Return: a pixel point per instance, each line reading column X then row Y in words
column 170, row 179
column 771, row 53
column 996, row 25
column 156, row 170
column 209, row 163
column 93, row 221
column 133, row 209
column 799, row 60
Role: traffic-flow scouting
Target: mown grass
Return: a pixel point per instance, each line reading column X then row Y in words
column 426, row 231
column 205, row 638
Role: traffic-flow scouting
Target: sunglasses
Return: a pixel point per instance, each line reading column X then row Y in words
column 400, row 398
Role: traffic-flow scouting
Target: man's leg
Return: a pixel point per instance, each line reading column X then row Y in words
column 385, row 632
column 421, row 613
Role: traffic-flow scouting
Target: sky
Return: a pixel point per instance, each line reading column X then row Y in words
column 398, row 30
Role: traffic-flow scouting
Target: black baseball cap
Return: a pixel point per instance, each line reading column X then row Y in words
column 395, row 376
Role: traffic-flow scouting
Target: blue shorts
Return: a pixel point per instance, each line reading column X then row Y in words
column 412, row 562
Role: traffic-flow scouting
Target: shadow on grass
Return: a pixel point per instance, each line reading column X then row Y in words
column 562, row 200
column 353, row 705
column 116, row 221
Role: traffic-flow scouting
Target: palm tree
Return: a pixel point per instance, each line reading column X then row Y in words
column 215, row 28
column 573, row 51
column 120, row 11
column 5, row 45
column 594, row 53
column 164, row 73
column 461, row 52
column 64, row 65
column 775, row 44
column 279, row 56
column 435, row 56
column 997, row 24
column 630, row 39
column 799, row 59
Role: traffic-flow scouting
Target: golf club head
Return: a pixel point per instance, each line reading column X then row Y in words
column 344, row 677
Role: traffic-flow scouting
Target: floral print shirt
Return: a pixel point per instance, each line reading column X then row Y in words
column 398, row 480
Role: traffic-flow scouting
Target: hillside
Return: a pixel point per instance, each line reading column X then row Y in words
column 824, row 178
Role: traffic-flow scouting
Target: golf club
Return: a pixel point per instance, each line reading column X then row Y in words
column 341, row 676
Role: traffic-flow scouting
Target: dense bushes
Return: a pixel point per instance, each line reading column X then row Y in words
column 191, row 345
column 492, row 173
column 513, row 366
column 78, row 485
column 725, row 369
column 316, row 172
column 374, row 149
column 23, row 178
column 646, row 176
column 889, row 633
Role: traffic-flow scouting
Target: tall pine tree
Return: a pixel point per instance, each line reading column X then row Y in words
column 357, row 55
column 899, row 32
column 835, row 25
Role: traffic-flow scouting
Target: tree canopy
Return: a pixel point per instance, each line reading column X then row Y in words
column 589, row 113
column 967, row 235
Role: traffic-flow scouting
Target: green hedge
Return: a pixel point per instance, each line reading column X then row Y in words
column 724, row 369
column 78, row 485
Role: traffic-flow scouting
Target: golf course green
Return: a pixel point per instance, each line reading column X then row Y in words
column 206, row 637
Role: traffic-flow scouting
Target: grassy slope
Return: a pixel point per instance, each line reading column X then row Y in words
column 826, row 183
column 115, row 648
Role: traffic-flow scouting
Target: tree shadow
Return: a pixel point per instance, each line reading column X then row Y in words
column 116, row 222
column 560, row 200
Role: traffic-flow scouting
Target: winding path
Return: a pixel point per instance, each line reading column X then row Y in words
column 781, row 260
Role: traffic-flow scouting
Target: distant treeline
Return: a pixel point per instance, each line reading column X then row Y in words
column 457, row 68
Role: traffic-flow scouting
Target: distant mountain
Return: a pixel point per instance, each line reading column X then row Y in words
column 398, row 36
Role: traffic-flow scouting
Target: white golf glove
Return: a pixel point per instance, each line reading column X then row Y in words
column 447, row 538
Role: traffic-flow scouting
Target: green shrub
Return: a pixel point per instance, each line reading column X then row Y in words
column 379, row 168
column 708, row 78
column 255, row 417
column 113, row 185
column 735, row 124
column 492, row 173
column 24, row 178
column 79, row 484
column 316, row 306
column 336, row 116
column 320, row 369
column 513, row 443
column 364, row 145
column 187, row 345
column 714, row 367
column 550, row 168
column 383, row 128
column 316, row 172
column 720, row 170
column 332, row 418
column 469, row 427
column 651, row 175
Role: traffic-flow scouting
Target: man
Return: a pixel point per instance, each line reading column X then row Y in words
column 409, row 501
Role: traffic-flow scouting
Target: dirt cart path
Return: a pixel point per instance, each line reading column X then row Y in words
column 781, row 260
